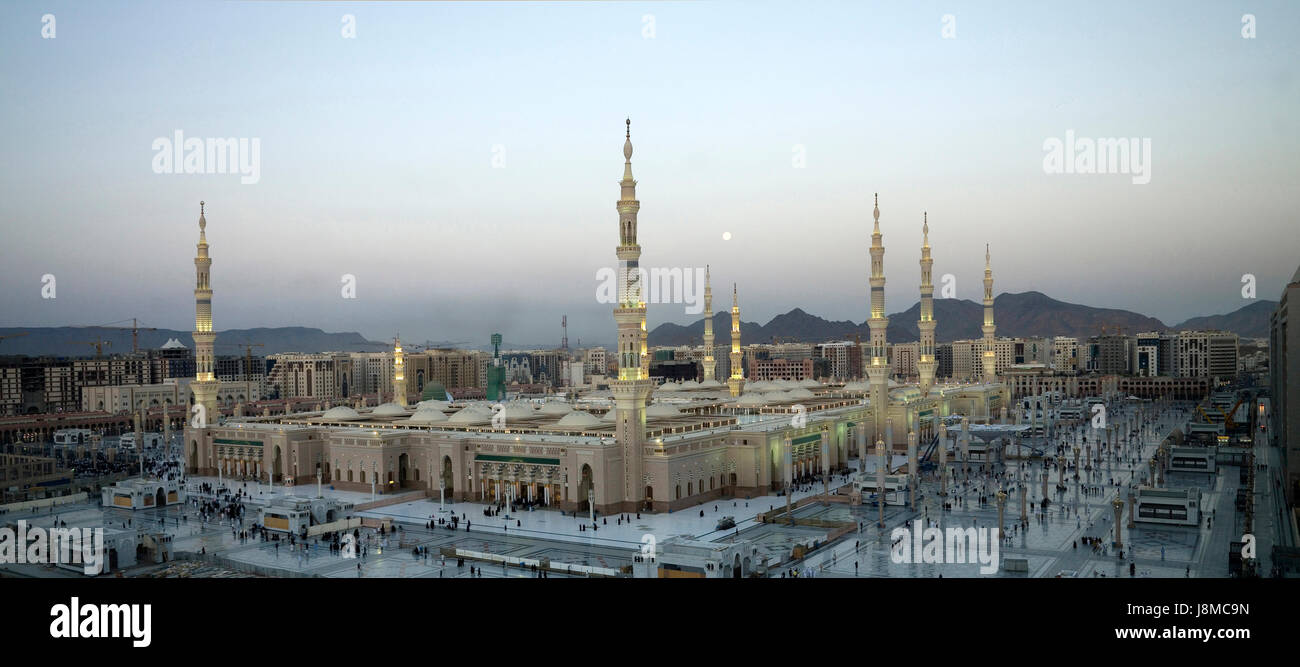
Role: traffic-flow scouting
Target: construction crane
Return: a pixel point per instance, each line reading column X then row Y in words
column 1228, row 423
column 98, row 345
column 248, row 354
column 135, row 330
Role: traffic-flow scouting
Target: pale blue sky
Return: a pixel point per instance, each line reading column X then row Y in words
column 376, row 156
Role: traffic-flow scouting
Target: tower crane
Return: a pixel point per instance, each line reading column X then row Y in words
column 135, row 330
column 97, row 344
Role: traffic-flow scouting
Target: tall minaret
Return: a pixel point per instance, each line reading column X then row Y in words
column 205, row 382
column 927, row 362
column 399, row 373
column 633, row 387
column 990, row 353
column 878, row 370
column 737, row 380
column 710, row 365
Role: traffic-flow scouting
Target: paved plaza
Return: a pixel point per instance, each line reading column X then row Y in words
column 1051, row 543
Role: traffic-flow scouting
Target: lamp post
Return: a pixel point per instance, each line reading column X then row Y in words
column 318, row 476
column 373, row 475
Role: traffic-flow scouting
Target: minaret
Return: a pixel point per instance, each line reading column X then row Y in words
column 737, row 380
column 878, row 370
column 399, row 375
column 990, row 354
column 633, row 387
column 205, row 382
column 927, row 362
column 710, row 365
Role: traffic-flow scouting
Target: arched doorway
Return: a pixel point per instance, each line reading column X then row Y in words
column 194, row 456
column 448, row 480
column 160, row 498
column 275, row 464
column 402, row 461
column 735, row 568
column 649, row 496
column 585, row 487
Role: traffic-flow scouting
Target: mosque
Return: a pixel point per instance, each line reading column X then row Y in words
column 633, row 447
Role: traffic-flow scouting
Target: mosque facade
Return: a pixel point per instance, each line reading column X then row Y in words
column 633, row 447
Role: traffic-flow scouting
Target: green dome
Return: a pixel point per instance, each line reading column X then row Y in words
column 434, row 391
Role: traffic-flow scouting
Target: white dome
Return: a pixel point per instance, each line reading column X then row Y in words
column 751, row 399
column 427, row 415
column 710, row 384
column 578, row 419
column 776, row 396
column 433, row 403
column 669, row 386
column 470, row 416
column 517, row 411
column 763, row 385
column 800, row 393
column 662, row 410
column 809, row 383
column 388, row 410
column 341, row 413
column 690, row 384
column 786, row 384
column 556, row 408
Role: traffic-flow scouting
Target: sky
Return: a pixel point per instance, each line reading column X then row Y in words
column 461, row 160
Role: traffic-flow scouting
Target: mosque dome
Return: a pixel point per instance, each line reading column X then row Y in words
column 800, row 392
column 690, row 384
column 427, row 415
column 710, row 384
column 470, row 415
column 388, row 410
column 809, row 383
column 433, row 390
column 556, row 408
column 751, row 399
column 578, row 419
column 610, row 416
column 341, row 413
column 518, row 411
column 662, row 410
column 433, row 404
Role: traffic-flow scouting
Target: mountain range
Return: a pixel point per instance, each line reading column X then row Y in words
column 1020, row 314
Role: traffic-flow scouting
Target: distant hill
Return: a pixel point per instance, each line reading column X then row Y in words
column 1248, row 321
column 66, row 341
column 1021, row 314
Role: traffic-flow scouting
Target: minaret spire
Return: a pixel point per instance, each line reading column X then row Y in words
column 737, row 380
column 633, row 388
column 990, row 352
column 399, row 372
column 204, row 385
column 927, row 361
column 878, row 370
column 710, row 364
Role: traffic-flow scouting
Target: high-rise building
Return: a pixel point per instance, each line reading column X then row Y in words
column 1284, row 382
